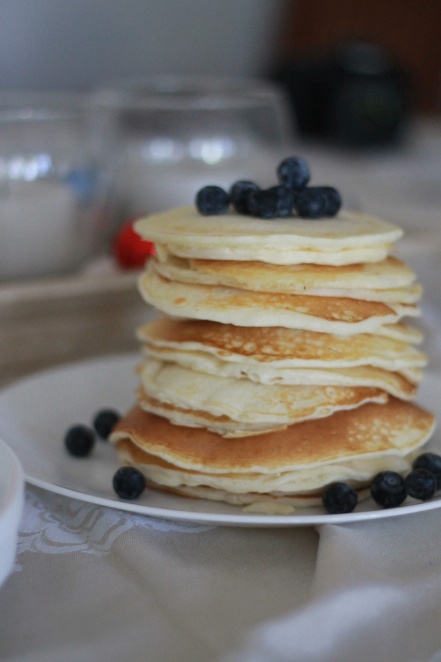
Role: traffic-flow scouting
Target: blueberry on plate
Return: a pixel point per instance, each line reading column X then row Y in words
column 104, row 422
column 388, row 489
column 339, row 498
column 239, row 195
column 293, row 172
column 212, row 200
column 79, row 440
column 128, row 483
column 274, row 202
column 431, row 462
column 420, row 484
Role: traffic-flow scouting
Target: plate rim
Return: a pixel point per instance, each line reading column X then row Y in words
column 243, row 519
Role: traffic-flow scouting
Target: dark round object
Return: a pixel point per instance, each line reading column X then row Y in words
column 274, row 202
column 431, row 462
column 339, row 498
column 333, row 200
column 212, row 200
column 239, row 195
column 388, row 489
column 318, row 202
column 79, row 440
column 311, row 202
column 293, row 172
column 104, row 422
column 420, row 484
column 128, row 483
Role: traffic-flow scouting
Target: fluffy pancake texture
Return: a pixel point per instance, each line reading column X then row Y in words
column 249, row 403
column 249, row 308
column 283, row 360
column 389, row 280
column 347, row 239
column 282, row 347
column 401, row 385
column 351, row 446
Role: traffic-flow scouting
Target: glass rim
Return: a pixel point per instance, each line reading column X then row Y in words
column 29, row 106
column 172, row 92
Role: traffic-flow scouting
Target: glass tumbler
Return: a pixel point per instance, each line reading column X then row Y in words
column 53, row 185
column 177, row 134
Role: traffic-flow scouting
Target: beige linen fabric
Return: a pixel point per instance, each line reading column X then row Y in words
column 93, row 583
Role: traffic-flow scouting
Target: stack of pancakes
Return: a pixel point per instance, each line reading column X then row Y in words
column 282, row 361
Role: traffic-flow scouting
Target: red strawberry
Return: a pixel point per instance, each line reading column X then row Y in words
column 129, row 249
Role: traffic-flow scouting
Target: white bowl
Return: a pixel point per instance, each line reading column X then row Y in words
column 11, row 507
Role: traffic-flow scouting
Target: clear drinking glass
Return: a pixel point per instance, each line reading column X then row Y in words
column 177, row 134
column 53, row 185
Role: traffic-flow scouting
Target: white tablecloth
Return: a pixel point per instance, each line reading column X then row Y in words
column 94, row 584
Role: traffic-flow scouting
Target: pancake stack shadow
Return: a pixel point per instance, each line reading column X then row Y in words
column 283, row 361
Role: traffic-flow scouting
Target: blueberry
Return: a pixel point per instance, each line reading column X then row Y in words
column 239, row 194
column 420, row 484
column 79, row 440
column 274, row 202
column 212, row 200
column 339, row 498
column 293, row 172
column 333, row 199
column 128, row 483
column 388, row 489
column 104, row 422
column 311, row 202
column 317, row 201
column 431, row 462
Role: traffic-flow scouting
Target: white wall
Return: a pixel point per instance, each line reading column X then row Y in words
column 79, row 44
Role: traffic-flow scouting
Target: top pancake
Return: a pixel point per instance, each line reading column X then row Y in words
column 348, row 238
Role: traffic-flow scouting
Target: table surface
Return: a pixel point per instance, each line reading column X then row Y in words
column 94, row 583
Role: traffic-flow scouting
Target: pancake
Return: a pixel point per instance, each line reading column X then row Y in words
column 281, row 347
column 282, row 362
column 225, row 426
column 246, row 402
column 349, row 446
column 193, row 418
column 348, row 238
column 387, row 281
column 401, row 332
column 394, row 383
column 245, row 308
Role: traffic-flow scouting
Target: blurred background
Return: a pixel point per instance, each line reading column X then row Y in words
column 353, row 85
column 80, row 45
column 87, row 43
column 83, row 44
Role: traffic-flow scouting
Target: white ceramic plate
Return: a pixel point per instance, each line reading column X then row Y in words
column 11, row 506
column 35, row 413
